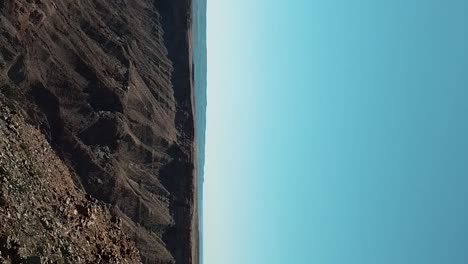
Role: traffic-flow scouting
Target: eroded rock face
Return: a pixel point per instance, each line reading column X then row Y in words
column 44, row 217
column 108, row 84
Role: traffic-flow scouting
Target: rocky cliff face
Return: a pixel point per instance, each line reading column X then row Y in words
column 109, row 85
column 44, row 217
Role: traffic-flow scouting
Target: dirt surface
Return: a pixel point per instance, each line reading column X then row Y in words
column 108, row 85
column 44, row 217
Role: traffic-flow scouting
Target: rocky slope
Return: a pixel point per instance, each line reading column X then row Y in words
column 44, row 217
column 109, row 86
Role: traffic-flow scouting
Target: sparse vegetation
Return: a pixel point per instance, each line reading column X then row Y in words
column 23, row 146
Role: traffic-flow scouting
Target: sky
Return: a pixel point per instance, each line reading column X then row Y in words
column 336, row 132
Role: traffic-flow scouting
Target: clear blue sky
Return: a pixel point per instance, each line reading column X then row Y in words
column 337, row 132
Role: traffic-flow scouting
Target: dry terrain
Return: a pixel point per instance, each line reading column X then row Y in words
column 101, row 93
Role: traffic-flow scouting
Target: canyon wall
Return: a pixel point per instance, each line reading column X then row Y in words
column 109, row 85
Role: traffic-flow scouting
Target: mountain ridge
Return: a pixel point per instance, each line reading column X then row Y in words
column 109, row 84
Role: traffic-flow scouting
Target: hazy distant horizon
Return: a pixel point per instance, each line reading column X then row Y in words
column 199, row 58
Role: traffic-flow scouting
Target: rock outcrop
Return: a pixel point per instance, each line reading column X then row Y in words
column 109, row 86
